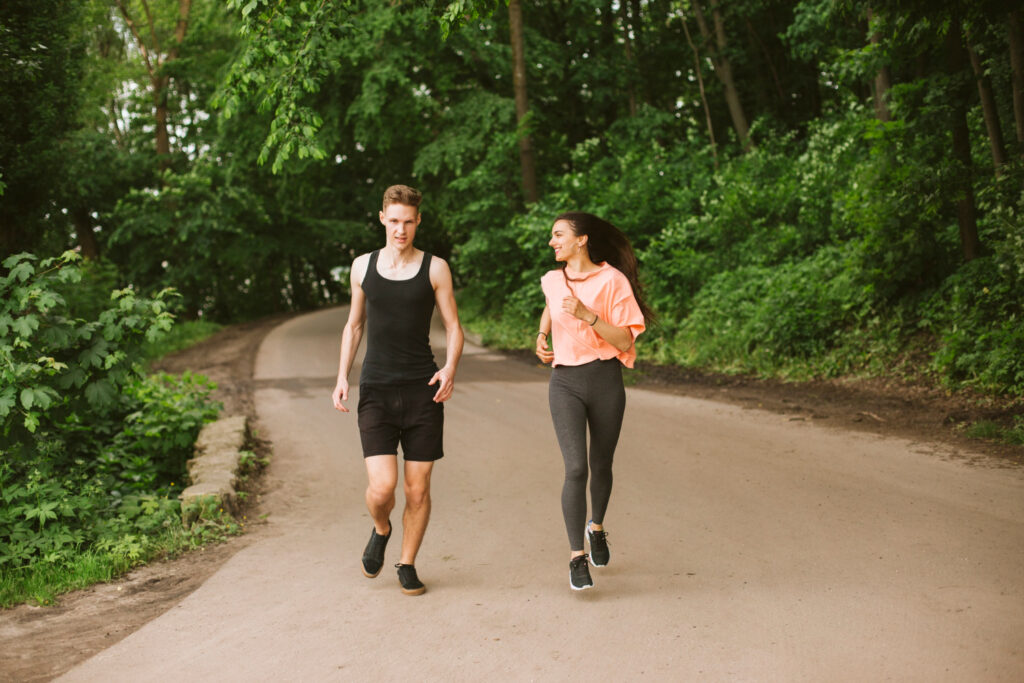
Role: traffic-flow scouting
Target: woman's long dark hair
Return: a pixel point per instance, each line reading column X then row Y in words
column 607, row 243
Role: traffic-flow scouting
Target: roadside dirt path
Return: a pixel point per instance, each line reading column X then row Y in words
column 746, row 545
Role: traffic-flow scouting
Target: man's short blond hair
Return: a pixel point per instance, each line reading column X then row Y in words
column 402, row 194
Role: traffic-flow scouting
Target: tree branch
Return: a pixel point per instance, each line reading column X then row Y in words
column 138, row 38
column 152, row 32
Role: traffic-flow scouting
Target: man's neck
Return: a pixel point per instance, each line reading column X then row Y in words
column 399, row 257
column 397, row 264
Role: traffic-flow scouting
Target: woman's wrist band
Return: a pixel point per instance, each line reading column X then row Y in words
column 595, row 320
column 542, row 333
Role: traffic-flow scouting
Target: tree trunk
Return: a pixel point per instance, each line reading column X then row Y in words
column 163, row 140
column 703, row 95
column 86, row 237
column 630, row 65
column 883, row 80
column 155, row 62
column 966, row 211
column 759, row 46
column 989, row 110
column 526, row 162
column 723, row 69
column 1016, row 30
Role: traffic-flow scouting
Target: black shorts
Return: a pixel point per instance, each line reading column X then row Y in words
column 404, row 413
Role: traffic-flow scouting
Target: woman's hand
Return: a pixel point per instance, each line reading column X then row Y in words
column 575, row 308
column 543, row 352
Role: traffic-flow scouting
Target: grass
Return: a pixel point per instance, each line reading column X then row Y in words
column 41, row 582
column 987, row 429
column 182, row 335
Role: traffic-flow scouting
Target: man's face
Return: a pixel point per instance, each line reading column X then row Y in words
column 400, row 223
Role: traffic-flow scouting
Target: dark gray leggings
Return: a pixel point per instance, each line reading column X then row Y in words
column 582, row 396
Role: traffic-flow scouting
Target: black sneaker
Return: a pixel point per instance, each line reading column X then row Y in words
column 599, row 553
column 411, row 584
column 579, row 574
column 373, row 556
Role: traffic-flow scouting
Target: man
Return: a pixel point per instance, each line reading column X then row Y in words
column 401, row 389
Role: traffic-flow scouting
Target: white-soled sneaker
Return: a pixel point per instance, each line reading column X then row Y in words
column 599, row 553
column 579, row 574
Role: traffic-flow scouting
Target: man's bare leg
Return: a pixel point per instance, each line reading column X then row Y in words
column 382, row 474
column 417, row 508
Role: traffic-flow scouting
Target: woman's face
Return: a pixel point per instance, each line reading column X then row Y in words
column 564, row 240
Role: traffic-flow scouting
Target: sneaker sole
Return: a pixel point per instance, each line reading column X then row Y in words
column 371, row 576
column 415, row 591
column 579, row 588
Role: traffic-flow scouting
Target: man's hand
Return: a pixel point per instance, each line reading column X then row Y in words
column 446, row 384
column 340, row 394
column 545, row 354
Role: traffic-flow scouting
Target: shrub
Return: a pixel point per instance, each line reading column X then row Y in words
column 91, row 449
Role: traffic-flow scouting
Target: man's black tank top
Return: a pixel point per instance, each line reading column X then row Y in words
column 398, row 316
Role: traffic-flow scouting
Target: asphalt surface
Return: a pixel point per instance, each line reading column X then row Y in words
column 745, row 546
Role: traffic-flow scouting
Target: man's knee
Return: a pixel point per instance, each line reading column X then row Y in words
column 380, row 491
column 417, row 493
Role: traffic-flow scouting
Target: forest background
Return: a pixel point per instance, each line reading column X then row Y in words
column 821, row 188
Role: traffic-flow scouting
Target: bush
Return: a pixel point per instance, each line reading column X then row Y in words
column 92, row 451
column 978, row 317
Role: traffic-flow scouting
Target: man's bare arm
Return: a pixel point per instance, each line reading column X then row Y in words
column 352, row 334
column 444, row 296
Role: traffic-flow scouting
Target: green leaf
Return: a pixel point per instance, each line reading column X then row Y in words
column 27, row 398
column 12, row 261
column 25, row 325
column 8, row 397
column 44, row 396
column 22, row 271
column 100, row 394
column 94, row 355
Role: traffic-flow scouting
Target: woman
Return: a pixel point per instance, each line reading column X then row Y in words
column 594, row 311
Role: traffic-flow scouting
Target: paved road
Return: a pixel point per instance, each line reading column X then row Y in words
column 745, row 546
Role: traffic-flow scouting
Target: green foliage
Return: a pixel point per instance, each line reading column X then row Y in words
column 184, row 334
column 978, row 314
column 52, row 365
column 93, row 450
column 41, row 60
column 1008, row 432
column 297, row 49
column 758, row 317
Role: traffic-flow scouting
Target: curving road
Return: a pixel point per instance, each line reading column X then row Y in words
column 744, row 547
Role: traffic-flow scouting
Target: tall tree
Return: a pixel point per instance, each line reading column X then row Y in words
column 966, row 210
column 158, row 52
column 703, row 95
column 1015, row 28
column 40, row 91
column 526, row 159
column 989, row 110
column 723, row 68
column 627, row 40
column 883, row 79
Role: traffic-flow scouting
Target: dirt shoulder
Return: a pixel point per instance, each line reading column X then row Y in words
column 40, row 643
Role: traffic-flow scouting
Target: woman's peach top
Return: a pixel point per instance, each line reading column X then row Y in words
column 605, row 291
